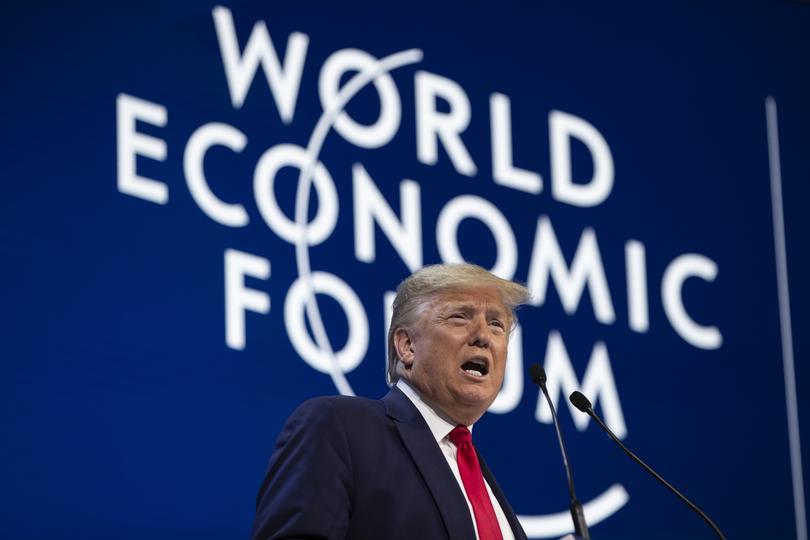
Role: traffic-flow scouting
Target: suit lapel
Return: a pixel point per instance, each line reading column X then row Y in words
column 517, row 529
column 432, row 465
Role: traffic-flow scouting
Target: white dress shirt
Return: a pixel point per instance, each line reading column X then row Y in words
column 441, row 428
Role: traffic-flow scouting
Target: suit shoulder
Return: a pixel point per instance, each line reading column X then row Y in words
column 336, row 407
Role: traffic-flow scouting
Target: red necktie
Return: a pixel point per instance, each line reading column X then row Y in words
column 473, row 480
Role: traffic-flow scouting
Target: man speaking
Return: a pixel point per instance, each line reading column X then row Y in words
column 404, row 467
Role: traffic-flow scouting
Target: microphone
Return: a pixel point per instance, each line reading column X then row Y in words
column 582, row 403
column 538, row 375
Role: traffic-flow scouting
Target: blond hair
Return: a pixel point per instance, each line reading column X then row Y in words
column 419, row 288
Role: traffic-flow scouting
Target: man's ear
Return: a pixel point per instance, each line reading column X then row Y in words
column 403, row 343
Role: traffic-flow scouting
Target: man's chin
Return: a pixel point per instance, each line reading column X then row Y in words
column 474, row 390
column 473, row 403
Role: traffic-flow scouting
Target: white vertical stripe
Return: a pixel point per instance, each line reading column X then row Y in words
column 784, row 318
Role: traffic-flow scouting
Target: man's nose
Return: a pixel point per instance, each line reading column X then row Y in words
column 479, row 336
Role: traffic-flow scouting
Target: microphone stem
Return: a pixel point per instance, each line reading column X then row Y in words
column 657, row 476
column 580, row 526
column 568, row 471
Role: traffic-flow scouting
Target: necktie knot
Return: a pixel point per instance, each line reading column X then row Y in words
column 460, row 435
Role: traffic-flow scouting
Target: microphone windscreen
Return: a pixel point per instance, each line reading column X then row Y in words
column 538, row 374
column 580, row 401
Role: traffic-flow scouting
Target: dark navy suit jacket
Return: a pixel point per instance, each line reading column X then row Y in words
column 354, row 468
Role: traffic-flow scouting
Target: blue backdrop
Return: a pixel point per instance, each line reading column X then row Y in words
column 615, row 158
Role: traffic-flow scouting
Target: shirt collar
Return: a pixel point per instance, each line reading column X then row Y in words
column 440, row 426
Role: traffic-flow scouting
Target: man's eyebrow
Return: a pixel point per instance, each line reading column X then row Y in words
column 492, row 310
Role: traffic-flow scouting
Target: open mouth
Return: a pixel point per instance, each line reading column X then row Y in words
column 475, row 367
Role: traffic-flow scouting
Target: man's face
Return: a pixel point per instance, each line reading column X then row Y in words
column 455, row 355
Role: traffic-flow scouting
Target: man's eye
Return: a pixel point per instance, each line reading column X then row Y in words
column 497, row 323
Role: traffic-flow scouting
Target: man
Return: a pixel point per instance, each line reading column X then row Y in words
column 403, row 467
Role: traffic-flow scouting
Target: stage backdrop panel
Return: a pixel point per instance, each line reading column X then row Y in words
column 206, row 209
